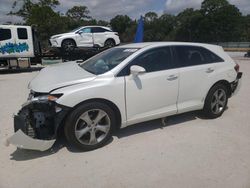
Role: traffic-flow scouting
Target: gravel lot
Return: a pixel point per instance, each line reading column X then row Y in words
column 188, row 152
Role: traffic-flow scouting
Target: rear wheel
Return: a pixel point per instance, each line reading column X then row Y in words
column 216, row 101
column 109, row 43
column 68, row 45
column 90, row 126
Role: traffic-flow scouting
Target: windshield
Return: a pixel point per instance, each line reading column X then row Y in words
column 74, row 30
column 107, row 60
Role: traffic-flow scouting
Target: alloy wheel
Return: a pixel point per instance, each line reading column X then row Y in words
column 92, row 127
column 219, row 100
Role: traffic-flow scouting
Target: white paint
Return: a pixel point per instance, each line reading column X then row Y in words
column 85, row 39
column 140, row 97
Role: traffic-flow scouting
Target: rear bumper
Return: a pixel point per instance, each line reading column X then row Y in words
column 236, row 85
column 36, row 125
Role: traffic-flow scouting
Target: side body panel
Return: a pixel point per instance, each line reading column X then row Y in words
column 109, row 88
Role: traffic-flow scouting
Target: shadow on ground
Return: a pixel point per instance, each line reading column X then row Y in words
column 14, row 71
column 24, row 155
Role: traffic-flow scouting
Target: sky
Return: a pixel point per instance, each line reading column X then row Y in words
column 107, row 9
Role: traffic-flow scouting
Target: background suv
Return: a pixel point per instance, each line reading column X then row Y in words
column 123, row 86
column 88, row 36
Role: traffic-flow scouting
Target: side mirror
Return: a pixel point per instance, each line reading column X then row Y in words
column 135, row 70
column 79, row 32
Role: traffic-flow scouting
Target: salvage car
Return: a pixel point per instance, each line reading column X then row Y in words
column 123, row 86
column 86, row 37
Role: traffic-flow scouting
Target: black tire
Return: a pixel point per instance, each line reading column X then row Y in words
column 68, row 45
column 212, row 103
column 73, row 122
column 109, row 43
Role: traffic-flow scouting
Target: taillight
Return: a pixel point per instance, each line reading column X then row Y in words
column 237, row 67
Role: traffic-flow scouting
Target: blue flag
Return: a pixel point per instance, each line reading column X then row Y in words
column 140, row 31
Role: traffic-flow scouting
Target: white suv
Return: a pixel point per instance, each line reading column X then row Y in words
column 123, row 86
column 88, row 36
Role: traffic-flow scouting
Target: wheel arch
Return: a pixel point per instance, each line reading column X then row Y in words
column 100, row 100
column 68, row 39
column 109, row 38
column 225, row 83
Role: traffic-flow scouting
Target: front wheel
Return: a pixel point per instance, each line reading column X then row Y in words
column 68, row 45
column 216, row 101
column 90, row 126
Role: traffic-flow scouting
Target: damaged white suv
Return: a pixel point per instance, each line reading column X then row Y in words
column 123, row 86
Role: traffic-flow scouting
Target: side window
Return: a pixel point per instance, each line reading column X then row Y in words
column 152, row 61
column 86, row 30
column 98, row 30
column 22, row 33
column 211, row 57
column 194, row 55
column 5, row 34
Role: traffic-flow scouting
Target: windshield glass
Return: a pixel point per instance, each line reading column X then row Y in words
column 74, row 30
column 107, row 60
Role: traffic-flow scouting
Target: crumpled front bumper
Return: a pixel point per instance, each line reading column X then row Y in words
column 36, row 125
column 21, row 140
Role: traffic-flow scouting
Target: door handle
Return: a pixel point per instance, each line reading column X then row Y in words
column 209, row 70
column 172, row 77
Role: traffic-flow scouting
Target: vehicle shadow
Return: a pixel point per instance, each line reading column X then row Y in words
column 24, row 155
column 22, row 70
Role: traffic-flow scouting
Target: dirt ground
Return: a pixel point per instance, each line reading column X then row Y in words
column 188, row 152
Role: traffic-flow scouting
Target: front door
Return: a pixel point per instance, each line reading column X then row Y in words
column 154, row 93
column 85, row 38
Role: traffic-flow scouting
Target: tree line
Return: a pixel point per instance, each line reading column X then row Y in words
column 215, row 21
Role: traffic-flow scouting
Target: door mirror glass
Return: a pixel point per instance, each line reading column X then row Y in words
column 135, row 70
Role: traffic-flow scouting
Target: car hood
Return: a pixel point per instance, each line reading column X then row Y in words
column 62, row 34
column 59, row 76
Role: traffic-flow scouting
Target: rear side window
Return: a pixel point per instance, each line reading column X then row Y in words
column 194, row 55
column 22, row 33
column 99, row 30
column 5, row 34
column 153, row 60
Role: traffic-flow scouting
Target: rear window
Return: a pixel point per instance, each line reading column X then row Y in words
column 5, row 34
column 194, row 55
column 22, row 33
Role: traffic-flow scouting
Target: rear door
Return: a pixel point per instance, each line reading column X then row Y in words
column 152, row 94
column 99, row 35
column 197, row 69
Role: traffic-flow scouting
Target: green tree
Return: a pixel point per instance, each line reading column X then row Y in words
column 42, row 15
column 120, row 24
column 187, row 25
column 221, row 21
column 78, row 13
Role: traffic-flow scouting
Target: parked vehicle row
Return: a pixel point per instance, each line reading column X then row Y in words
column 122, row 86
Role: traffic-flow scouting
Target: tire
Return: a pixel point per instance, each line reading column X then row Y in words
column 68, row 45
column 216, row 101
column 90, row 126
column 109, row 43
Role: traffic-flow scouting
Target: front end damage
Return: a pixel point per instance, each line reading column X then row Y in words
column 36, row 124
